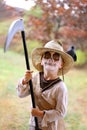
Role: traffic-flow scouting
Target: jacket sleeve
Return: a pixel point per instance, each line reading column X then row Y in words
column 60, row 110
column 22, row 90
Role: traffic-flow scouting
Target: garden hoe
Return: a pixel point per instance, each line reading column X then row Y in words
column 15, row 27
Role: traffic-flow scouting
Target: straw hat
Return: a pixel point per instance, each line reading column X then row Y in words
column 55, row 47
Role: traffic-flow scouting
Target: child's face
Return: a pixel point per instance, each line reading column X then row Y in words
column 51, row 61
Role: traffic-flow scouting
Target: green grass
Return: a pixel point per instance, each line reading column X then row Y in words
column 81, row 57
column 15, row 112
column 4, row 26
column 76, row 81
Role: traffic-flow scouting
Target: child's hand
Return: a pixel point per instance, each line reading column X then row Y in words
column 27, row 76
column 37, row 112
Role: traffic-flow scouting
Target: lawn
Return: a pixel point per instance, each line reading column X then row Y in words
column 15, row 111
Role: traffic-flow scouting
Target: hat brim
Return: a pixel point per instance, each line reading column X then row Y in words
column 37, row 55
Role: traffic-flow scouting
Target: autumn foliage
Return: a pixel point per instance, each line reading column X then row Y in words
column 60, row 19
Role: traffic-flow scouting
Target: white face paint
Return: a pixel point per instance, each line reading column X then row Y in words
column 50, row 65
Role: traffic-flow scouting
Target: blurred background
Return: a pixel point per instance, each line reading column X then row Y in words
column 44, row 20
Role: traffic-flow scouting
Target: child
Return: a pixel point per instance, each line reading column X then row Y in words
column 51, row 96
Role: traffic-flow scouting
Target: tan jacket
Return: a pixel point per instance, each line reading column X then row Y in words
column 53, row 101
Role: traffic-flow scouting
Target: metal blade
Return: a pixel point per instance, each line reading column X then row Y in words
column 16, row 26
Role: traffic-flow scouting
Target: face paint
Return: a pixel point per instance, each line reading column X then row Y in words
column 51, row 55
column 51, row 61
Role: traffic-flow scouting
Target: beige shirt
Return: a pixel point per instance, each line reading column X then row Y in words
column 53, row 101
